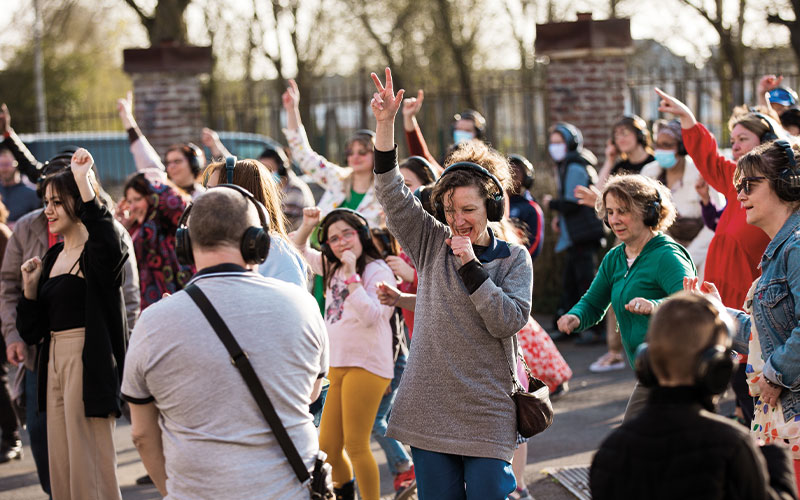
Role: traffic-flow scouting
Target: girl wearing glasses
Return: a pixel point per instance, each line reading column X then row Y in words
column 358, row 326
column 736, row 248
column 767, row 181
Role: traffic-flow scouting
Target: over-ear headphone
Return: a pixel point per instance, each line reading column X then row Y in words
column 322, row 233
column 571, row 134
column 193, row 154
column 715, row 363
column 651, row 215
column 638, row 125
column 255, row 240
column 230, row 165
column 277, row 154
column 789, row 188
column 425, row 165
column 528, row 173
column 495, row 204
column 770, row 134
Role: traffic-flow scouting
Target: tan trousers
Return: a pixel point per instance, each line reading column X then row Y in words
column 82, row 457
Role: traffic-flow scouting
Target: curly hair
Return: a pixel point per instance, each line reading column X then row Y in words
column 635, row 192
column 480, row 153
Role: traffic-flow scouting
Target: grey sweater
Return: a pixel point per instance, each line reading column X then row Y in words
column 455, row 393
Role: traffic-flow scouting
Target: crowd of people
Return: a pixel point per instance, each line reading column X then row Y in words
column 398, row 306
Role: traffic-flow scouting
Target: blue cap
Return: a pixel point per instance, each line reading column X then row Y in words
column 783, row 96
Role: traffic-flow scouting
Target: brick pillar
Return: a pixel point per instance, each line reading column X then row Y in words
column 166, row 92
column 586, row 74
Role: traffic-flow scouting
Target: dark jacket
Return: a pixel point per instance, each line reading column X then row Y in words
column 675, row 449
column 101, row 263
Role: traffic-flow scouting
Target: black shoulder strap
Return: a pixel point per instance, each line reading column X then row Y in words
column 240, row 360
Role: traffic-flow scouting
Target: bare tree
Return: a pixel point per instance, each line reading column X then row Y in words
column 792, row 24
column 729, row 63
column 166, row 24
column 459, row 33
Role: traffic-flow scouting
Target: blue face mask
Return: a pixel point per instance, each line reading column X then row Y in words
column 460, row 136
column 276, row 177
column 666, row 158
column 557, row 150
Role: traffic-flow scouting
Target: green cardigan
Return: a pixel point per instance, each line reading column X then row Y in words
column 656, row 273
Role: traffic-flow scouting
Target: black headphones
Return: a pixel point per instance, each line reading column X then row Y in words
column 425, row 164
column 279, row 155
column 788, row 189
column 639, row 126
column 255, row 240
column 192, row 154
column 572, row 136
column 651, row 213
column 770, row 134
column 495, row 205
column 714, row 363
column 230, row 165
column 528, row 173
column 322, row 235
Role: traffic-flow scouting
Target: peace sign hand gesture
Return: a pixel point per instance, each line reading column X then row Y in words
column 385, row 103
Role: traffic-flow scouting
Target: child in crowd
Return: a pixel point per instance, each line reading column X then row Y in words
column 361, row 343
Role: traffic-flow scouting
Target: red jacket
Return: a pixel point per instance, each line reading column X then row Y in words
column 737, row 247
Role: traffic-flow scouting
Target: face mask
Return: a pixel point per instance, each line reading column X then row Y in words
column 558, row 151
column 276, row 177
column 460, row 136
column 666, row 158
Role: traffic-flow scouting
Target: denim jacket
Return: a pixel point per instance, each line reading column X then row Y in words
column 776, row 311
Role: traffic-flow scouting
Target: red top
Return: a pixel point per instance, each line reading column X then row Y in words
column 408, row 316
column 737, row 247
column 418, row 147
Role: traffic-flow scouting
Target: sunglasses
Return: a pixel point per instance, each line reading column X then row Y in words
column 746, row 183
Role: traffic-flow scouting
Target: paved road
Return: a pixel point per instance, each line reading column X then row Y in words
column 592, row 408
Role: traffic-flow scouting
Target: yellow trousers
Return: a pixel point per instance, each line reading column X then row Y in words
column 347, row 419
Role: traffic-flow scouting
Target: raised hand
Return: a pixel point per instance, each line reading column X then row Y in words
column 768, row 82
column 210, row 138
column 672, row 105
column 411, row 106
column 311, row 216
column 587, row 196
column 5, row 119
column 384, row 102
column 31, row 271
column 692, row 284
column 400, row 268
column 125, row 110
column 291, row 97
column 81, row 163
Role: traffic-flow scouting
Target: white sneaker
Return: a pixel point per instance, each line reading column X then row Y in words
column 608, row 362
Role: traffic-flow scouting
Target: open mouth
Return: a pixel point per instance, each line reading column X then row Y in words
column 463, row 231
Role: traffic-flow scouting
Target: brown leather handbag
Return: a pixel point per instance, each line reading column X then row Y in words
column 534, row 410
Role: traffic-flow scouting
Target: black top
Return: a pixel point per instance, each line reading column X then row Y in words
column 101, row 264
column 64, row 298
column 626, row 167
column 675, row 449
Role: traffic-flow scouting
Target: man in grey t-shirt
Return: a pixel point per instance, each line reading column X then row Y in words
column 196, row 425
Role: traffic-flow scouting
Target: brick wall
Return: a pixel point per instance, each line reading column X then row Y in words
column 167, row 107
column 588, row 92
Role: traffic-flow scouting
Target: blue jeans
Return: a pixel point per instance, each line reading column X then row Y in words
column 395, row 452
column 36, row 422
column 316, row 407
column 441, row 476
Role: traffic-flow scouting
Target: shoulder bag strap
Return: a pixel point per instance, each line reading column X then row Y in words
column 240, row 360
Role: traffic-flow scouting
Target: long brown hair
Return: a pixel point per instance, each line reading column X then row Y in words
column 256, row 178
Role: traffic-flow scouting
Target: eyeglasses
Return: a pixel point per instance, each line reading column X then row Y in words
column 341, row 238
column 359, row 152
column 746, row 183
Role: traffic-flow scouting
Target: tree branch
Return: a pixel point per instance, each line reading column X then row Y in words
column 142, row 16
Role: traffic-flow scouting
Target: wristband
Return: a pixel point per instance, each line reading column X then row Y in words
column 355, row 278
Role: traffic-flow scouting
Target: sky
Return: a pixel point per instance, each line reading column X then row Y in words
column 667, row 21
